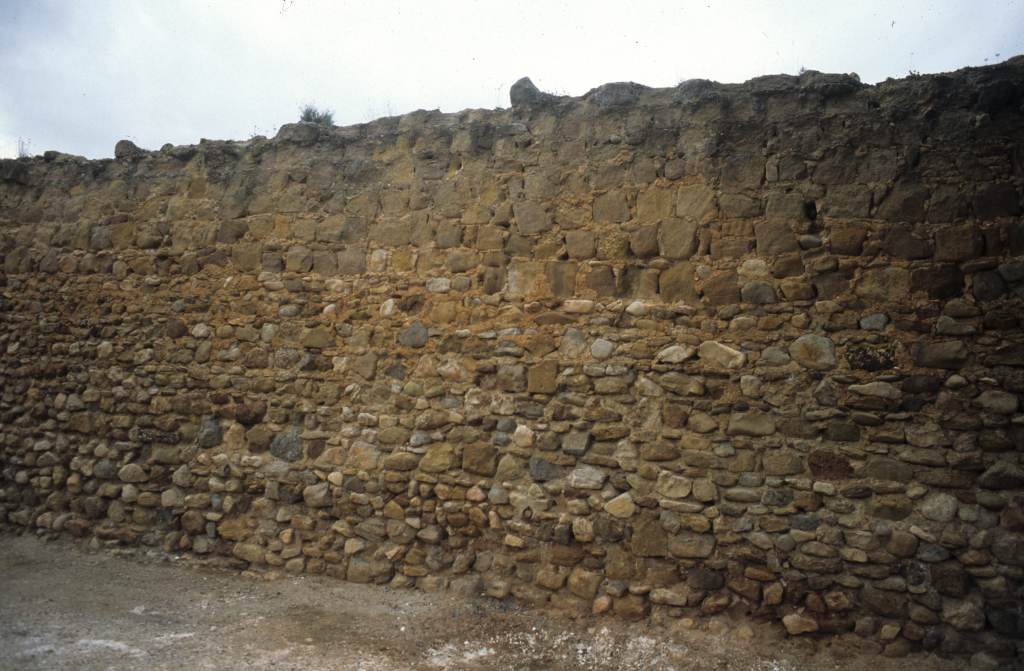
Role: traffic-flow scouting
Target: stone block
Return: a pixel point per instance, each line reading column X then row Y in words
column 531, row 218
column 696, row 203
column 722, row 289
column 580, row 244
column 655, row 204
column 958, row 243
column 542, row 378
column 848, row 201
column 688, row 545
column 677, row 238
column 643, row 242
column 847, row 239
column 648, row 538
column 785, row 207
column 999, row 199
column 905, row 203
column 611, row 208
column 352, row 261
column 677, row 283
column 739, row 206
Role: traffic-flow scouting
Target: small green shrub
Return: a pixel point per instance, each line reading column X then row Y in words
column 311, row 114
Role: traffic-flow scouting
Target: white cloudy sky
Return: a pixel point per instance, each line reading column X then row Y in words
column 77, row 76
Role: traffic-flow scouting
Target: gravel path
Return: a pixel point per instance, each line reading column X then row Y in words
column 62, row 608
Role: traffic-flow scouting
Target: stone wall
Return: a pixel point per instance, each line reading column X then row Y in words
column 746, row 349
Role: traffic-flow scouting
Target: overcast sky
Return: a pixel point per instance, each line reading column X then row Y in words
column 78, row 76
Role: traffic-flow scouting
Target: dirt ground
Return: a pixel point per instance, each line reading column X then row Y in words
column 64, row 608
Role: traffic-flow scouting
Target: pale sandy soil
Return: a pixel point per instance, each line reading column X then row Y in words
column 64, row 608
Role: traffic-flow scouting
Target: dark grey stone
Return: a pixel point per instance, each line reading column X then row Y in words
column 209, row 433
column 759, row 293
column 287, row 445
column 414, row 335
column 988, row 286
column 543, row 470
column 525, row 93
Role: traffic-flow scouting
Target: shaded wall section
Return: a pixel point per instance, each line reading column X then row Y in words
column 749, row 348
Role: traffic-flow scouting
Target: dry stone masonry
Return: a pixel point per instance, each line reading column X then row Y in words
column 748, row 349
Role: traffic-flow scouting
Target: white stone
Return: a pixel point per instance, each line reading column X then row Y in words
column 378, row 261
column 722, row 355
column 814, row 351
column 583, row 529
column 673, row 486
column 956, row 381
column 940, row 507
column 621, row 506
column 354, row 546
column 586, row 477
column 602, row 349
column 999, row 402
column 578, row 306
column 798, row 623
column 753, row 268
column 637, row 309
column 675, row 353
column 439, row 285
column 523, row 436
column 826, row 488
